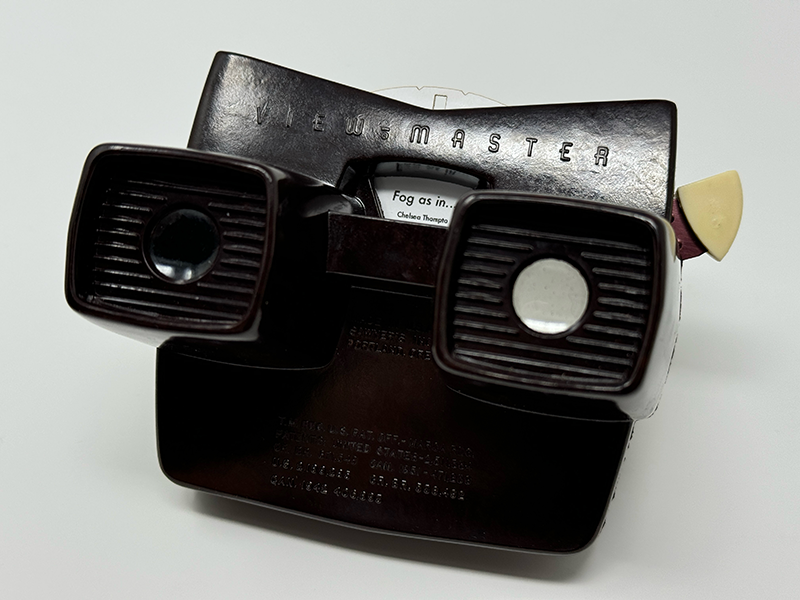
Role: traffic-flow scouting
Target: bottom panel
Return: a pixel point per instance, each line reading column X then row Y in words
column 376, row 439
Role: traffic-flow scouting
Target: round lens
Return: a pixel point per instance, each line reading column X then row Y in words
column 550, row 296
column 184, row 245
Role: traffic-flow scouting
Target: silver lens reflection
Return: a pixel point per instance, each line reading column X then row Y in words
column 184, row 245
column 550, row 296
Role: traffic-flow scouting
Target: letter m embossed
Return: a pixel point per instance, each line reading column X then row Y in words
column 419, row 134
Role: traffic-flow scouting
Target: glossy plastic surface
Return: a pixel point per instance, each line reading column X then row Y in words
column 616, row 152
column 328, row 400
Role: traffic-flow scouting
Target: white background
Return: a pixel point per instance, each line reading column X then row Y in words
column 708, row 505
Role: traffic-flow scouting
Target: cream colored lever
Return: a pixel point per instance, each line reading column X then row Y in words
column 713, row 210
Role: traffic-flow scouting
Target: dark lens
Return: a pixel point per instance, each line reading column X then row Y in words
column 183, row 245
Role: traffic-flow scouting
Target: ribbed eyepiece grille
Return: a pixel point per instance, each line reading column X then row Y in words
column 172, row 241
column 614, row 254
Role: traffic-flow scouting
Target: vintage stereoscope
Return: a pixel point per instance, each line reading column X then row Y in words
column 469, row 373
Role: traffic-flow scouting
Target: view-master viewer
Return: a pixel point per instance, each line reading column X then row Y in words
column 464, row 370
